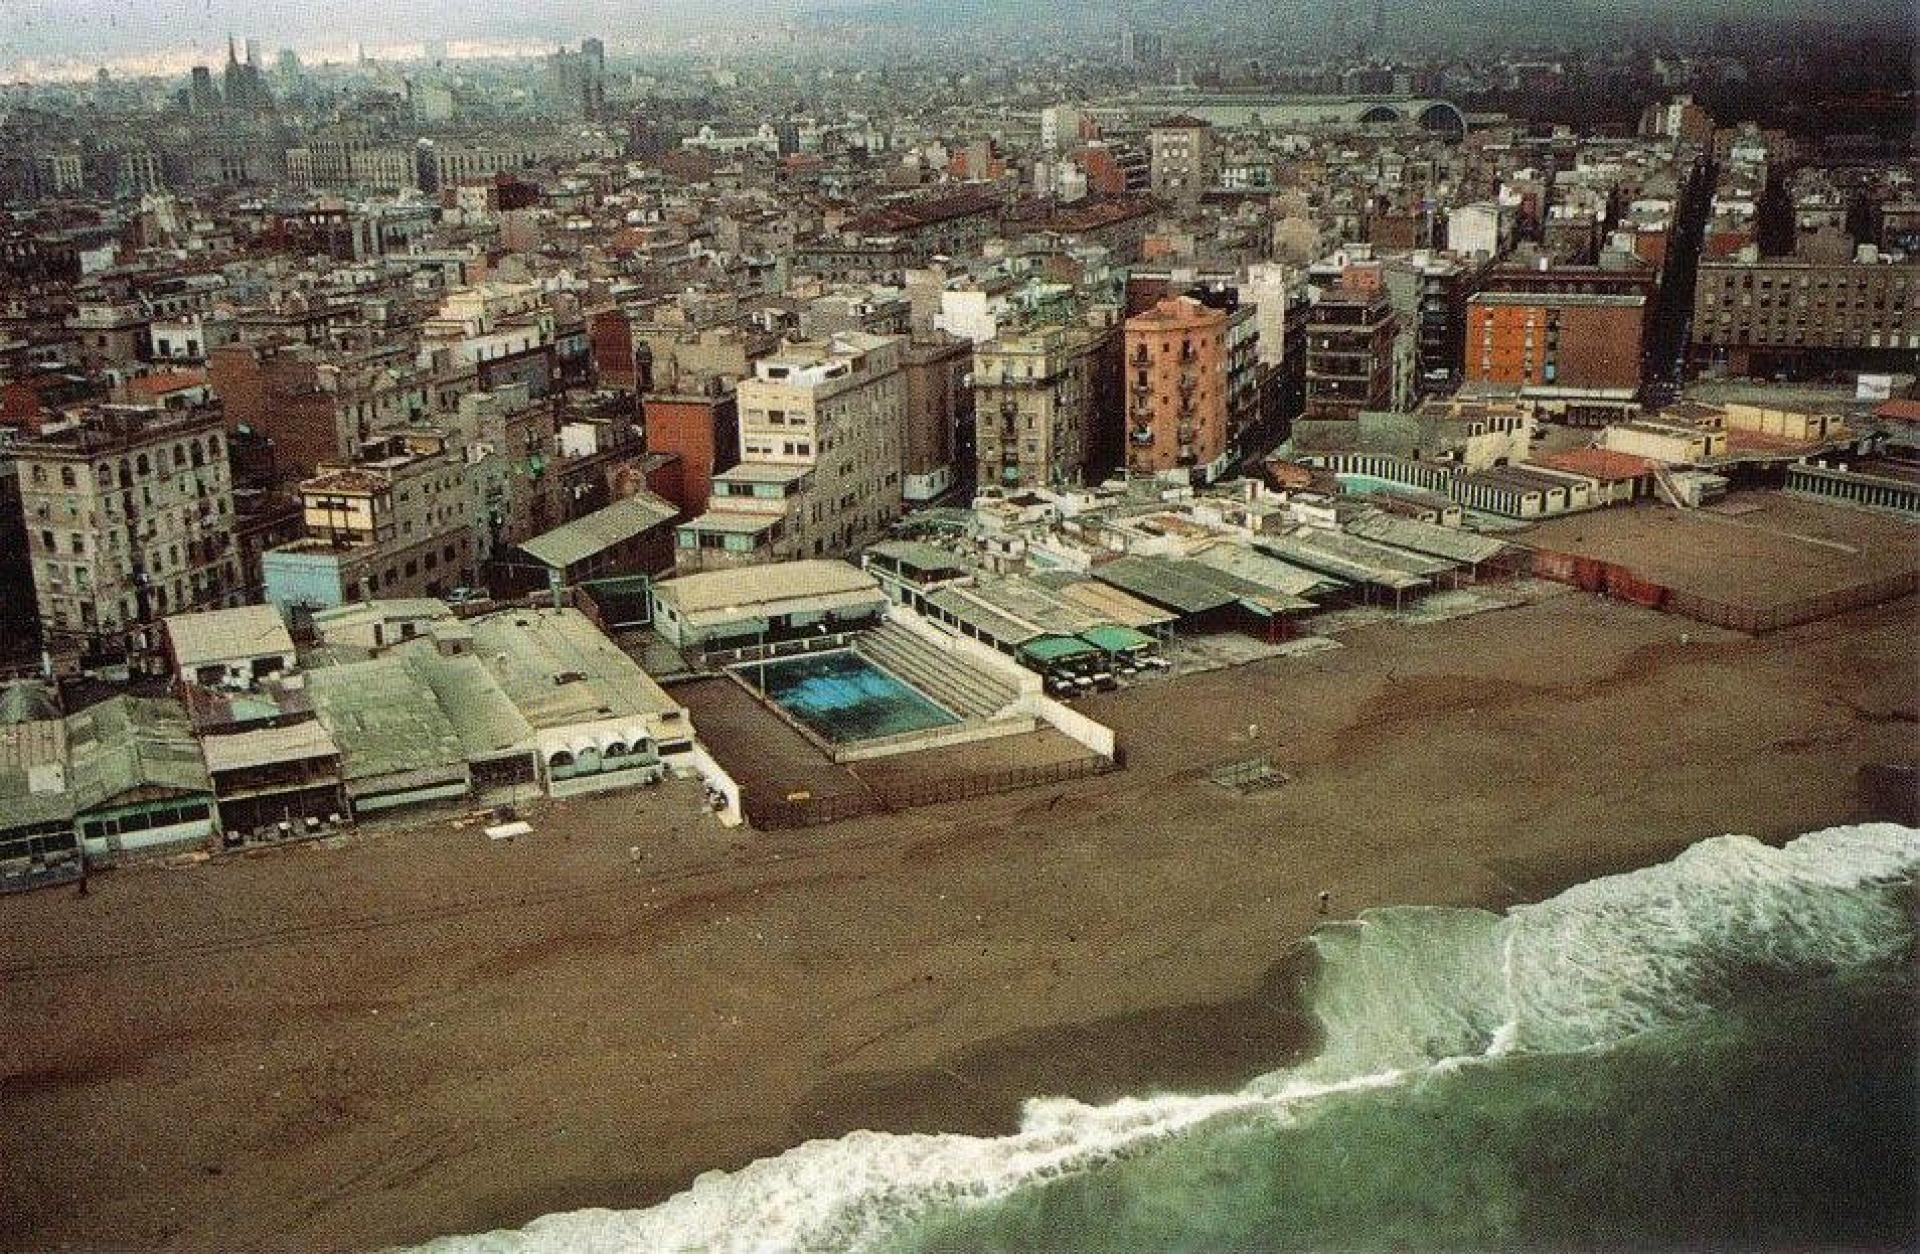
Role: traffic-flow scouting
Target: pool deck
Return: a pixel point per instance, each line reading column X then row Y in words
column 765, row 754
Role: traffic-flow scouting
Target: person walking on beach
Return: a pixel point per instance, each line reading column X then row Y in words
column 1326, row 899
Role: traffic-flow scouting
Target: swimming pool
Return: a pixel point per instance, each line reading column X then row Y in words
column 844, row 697
column 1366, row 485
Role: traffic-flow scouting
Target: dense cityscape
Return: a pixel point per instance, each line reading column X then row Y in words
column 925, row 547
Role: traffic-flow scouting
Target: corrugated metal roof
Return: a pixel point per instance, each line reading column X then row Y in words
column 1428, row 538
column 1269, row 572
column 1349, row 557
column 1163, row 583
column 757, row 590
column 220, row 635
column 385, row 717
column 1194, row 587
column 266, row 745
column 599, row 531
column 558, row 669
column 986, row 619
column 1112, row 604
column 129, row 743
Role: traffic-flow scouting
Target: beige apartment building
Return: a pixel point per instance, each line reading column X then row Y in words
column 396, row 523
column 1036, row 406
column 129, row 518
column 821, row 441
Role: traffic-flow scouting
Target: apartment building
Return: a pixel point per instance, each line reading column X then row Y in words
column 1350, row 352
column 1178, row 396
column 315, row 407
column 821, row 441
column 1564, row 345
column 1182, row 161
column 1804, row 318
column 1036, row 403
column 938, row 401
column 397, row 522
column 129, row 516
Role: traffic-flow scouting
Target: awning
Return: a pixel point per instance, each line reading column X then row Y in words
column 1052, row 650
column 1116, row 639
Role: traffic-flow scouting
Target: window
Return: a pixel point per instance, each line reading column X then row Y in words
column 66, row 477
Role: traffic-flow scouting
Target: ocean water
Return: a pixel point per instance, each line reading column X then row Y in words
column 1716, row 1052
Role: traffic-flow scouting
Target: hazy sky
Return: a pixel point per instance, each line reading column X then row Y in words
column 40, row 34
column 96, row 31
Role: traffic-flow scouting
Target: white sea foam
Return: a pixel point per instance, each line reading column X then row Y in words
column 1402, row 992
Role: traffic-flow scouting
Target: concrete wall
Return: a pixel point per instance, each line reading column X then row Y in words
column 715, row 776
column 1070, row 723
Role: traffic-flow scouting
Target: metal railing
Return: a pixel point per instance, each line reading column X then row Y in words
column 773, row 813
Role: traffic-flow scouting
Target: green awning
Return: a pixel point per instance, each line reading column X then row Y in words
column 1050, row 649
column 1110, row 638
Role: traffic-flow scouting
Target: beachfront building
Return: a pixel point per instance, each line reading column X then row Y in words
column 597, row 720
column 231, row 648
column 804, row 600
column 120, row 779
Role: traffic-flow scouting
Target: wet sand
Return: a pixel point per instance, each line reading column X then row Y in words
column 423, row 1032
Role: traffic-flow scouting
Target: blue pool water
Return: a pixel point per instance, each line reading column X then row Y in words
column 844, row 697
column 1369, row 484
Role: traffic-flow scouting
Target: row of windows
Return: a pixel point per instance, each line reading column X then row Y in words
column 147, row 820
column 190, row 453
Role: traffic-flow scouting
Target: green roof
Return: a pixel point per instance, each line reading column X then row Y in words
column 599, row 531
column 914, row 555
column 1056, row 648
column 1112, row 638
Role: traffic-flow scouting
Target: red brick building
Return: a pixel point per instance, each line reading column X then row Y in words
column 704, row 430
column 1563, row 342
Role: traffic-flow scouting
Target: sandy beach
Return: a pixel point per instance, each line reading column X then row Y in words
column 423, row 1032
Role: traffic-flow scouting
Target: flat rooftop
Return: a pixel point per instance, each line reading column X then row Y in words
column 558, row 669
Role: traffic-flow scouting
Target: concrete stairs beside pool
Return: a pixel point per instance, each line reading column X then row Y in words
column 947, row 678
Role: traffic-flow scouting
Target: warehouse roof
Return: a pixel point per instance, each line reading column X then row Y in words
column 222, row 635
column 265, row 746
column 559, row 669
column 1267, row 571
column 129, row 744
column 603, row 529
column 477, row 708
column 1352, row 558
column 1114, row 605
column 385, row 717
column 985, row 618
column 1193, row 587
column 774, row 588
column 1429, row 538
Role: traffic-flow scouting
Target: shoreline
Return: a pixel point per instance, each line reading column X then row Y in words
column 1168, row 1049
column 423, row 1034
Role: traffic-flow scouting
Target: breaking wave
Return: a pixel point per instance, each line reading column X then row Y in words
column 1485, row 1079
